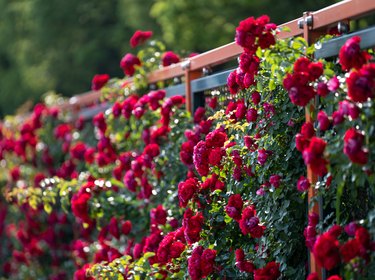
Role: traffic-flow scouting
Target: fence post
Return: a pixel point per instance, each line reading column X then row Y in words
column 310, row 36
column 189, row 76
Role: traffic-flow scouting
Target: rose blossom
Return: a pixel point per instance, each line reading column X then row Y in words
column 128, row 63
column 353, row 146
column 169, row 58
column 234, row 207
column 351, row 56
column 186, row 190
column 99, row 81
column 139, row 37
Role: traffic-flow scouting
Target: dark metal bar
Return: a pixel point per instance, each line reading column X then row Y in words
column 175, row 90
column 89, row 113
column 211, row 81
column 332, row 47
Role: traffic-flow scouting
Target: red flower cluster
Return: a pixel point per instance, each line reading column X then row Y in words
column 170, row 247
column 361, row 83
column 326, row 249
column 139, row 37
column 359, row 246
column 192, row 226
column 298, row 84
column 313, row 156
column 270, row 272
column 249, row 223
column 323, row 120
column 310, row 231
column 169, row 58
column 186, row 190
column 328, row 252
column 80, row 207
column 252, row 33
column 351, row 56
column 99, row 81
column 234, row 207
column 303, row 184
column 200, row 158
column 312, row 149
column 128, row 64
column 242, row 264
column 158, row 215
column 201, row 263
column 353, row 146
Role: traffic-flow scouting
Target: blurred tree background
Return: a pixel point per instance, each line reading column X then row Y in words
column 59, row 45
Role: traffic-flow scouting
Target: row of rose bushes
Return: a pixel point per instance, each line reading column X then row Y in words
column 148, row 191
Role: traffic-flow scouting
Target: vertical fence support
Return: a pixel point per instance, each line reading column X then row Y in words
column 189, row 76
column 310, row 37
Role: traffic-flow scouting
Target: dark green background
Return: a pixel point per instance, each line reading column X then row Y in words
column 59, row 45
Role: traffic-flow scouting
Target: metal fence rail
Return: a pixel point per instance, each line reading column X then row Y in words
column 311, row 26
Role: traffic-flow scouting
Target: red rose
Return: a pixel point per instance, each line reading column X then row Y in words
column 255, row 97
column 234, row 207
column 363, row 237
column 194, row 263
column 200, row 158
column 275, row 180
column 99, row 122
column 248, row 63
column 322, row 89
column 313, row 156
column 324, row 122
column 158, row 215
column 139, row 37
column 169, row 58
column 77, row 151
column 353, row 146
column 315, row 70
column 199, row 114
column 361, row 83
column 176, row 249
column 250, row 143
column 240, row 111
column 216, row 139
column 80, row 274
column 312, row 276
column 232, row 82
column 128, row 63
column 126, row 227
column 99, row 81
column 15, row 173
column 351, row 56
column 307, row 130
column 303, row 184
column 215, row 156
column 326, row 251
column 80, row 206
column 153, row 150
column 249, row 223
column 192, row 226
column 334, row 277
column 186, row 152
column 350, row 250
column 262, row 156
column 207, row 262
column 113, row 228
column 270, row 272
column 186, row 190
column 302, row 65
column 242, row 264
column 252, row 115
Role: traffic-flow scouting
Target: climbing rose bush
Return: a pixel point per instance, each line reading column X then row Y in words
column 146, row 190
